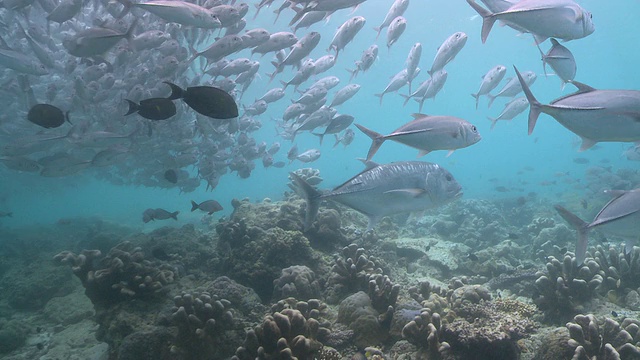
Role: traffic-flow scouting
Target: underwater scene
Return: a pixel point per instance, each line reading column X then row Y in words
column 319, row 179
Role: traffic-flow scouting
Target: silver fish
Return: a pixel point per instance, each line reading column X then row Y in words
column 562, row 19
column 428, row 133
column 448, row 51
column 619, row 217
column 396, row 28
column 344, row 94
column 397, row 9
column 594, row 115
column 512, row 109
column 513, row 87
column 346, row 32
column 309, row 156
column 182, row 12
column 561, row 60
column 489, row 81
column 385, row 190
column 95, row 41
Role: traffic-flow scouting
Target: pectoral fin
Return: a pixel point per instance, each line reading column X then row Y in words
column 414, row 192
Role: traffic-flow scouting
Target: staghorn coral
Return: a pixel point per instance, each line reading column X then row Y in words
column 285, row 334
column 200, row 318
column 121, row 275
column 296, row 281
column 563, row 290
column 605, row 340
column 425, row 332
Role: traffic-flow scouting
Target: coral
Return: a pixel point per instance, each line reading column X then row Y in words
column 605, row 340
column 383, row 292
column 200, row 318
column 144, row 345
column 121, row 275
column 621, row 271
column 350, row 273
column 357, row 312
column 425, row 332
column 429, row 296
column 286, row 334
column 310, row 175
column 565, row 288
column 540, row 223
column 312, row 309
column 13, row 335
column 468, row 294
column 296, row 281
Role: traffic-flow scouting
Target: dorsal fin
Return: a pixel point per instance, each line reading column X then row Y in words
column 419, row 115
column 582, row 88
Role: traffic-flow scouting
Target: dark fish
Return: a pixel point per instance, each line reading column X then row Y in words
column 171, row 176
column 47, row 116
column 209, row 206
column 472, row 257
column 501, row 189
column 206, row 100
column 153, row 109
column 158, row 214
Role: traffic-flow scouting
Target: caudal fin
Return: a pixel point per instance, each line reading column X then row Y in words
column 583, row 230
column 534, row 105
column 310, row 195
column 377, row 140
column 477, row 97
column 493, row 121
column 174, row 215
column 194, row 206
column 133, row 107
column 488, row 19
column 176, row 91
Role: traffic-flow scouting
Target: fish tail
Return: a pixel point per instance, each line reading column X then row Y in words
column 311, row 196
column 477, row 97
column 176, row 91
column 542, row 57
column 583, row 230
column 133, row 107
column 129, row 32
column 493, row 121
column 66, row 117
column 377, row 140
column 380, row 96
column 174, row 215
column 534, row 105
column 321, row 136
column 406, row 99
column 491, row 99
column 353, row 73
column 378, row 30
column 338, row 140
column 194, row 205
column 488, row 19
column 284, row 84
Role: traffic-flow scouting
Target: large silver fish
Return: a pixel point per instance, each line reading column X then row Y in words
column 428, row 133
column 384, row 190
column 182, row 12
column 619, row 217
column 562, row 19
column 594, row 115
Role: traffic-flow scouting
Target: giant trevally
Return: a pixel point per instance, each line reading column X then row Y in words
column 594, row 115
column 428, row 133
column 180, row 12
column 562, row 19
column 95, row 41
column 387, row 189
column 619, row 217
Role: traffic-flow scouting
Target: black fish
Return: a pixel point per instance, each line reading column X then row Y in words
column 206, row 100
column 472, row 257
column 47, row 116
column 153, row 109
column 171, row 176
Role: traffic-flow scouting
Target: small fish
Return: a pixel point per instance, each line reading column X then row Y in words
column 448, row 51
column 396, row 28
column 158, row 214
column 206, row 100
column 171, row 176
column 208, row 206
column 309, row 156
column 561, row 60
column 47, row 116
column 473, row 257
column 489, row 81
column 152, row 109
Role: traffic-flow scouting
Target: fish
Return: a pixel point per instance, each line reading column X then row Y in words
column 21, row 63
column 95, row 41
column 513, row 87
column 6, row 214
column 395, row 30
column 367, row 59
column 346, row 138
column 448, row 51
column 158, row 214
column 398, row 8
column 47, row 116
column 561, row 60
column 309, row 155
column 206, row 100
column 619, row 217
column 512, row 109
column 489, row 81
column 208, row 206
column 171, row 176
column 180, row 12
column 594, row 115
column 346, row 32
column 562, row 19
column 428, row 133
column 153, row 108
column 383, row 190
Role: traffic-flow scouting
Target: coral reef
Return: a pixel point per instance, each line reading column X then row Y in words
column 565, row 288
column 350, row 273
column 121, row 275
column 13, row 334
column 296, row 281
column 367, row 324
column 604, row 340
column 425, row 332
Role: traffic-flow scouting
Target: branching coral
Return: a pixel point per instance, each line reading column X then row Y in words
column 351, row 273
column 605, row 340
column 296, row 281
column 122, row 274
column 425, row 331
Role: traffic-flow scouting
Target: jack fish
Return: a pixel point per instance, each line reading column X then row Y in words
column 383, row 190
column 619, row 217
column 594, row 115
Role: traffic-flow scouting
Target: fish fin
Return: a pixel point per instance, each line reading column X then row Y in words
column 373, row 221
column 587, row 144
column 544, row 60
column 174, row 215
column 194, row 206
column 493, row 121
column 477, row 97
column 583, row 231
column 311, row 196
column 377, row 140
column 491, row 99
column 414, row 192
column 488, row 19
column 615, row 193
column 419, row 116
column 66, row 117
column 422, row 153
column 133, row 107
column 321, row 136
column 539, row 38
column 176, row 91
column 380, row 96
column 450, row 152
column 406, row 99
column 534, row 104
column 582, row 88
column 369, row 164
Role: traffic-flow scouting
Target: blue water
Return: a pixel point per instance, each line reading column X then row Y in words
column 606, row 59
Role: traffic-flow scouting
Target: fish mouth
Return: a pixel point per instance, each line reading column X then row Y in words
column 458, row 194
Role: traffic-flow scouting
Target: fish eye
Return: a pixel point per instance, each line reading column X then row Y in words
column 448, row 177
column 474, row 128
